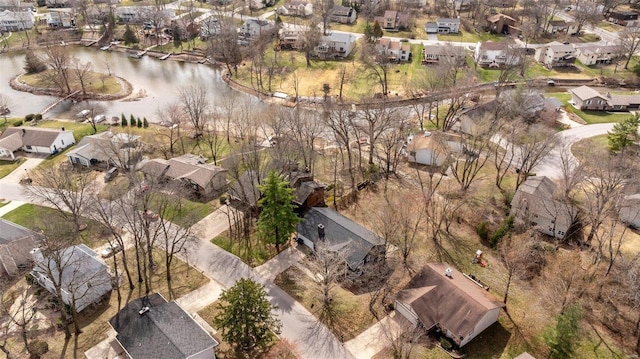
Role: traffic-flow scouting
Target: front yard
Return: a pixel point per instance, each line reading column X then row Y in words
column 590, row 117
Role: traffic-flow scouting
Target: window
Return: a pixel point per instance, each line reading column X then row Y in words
column 588, row 102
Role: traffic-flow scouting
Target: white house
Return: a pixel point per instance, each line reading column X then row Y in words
column 594, row 54
column 446, row 26
column 496, row 54
column 292, row 37
column 555, row 54
column 435, row 54
column 256, row 28
column 16, row 20
column 296, row 8
column 106, row 148
column 82, row 278
column 629, row 210
column 394, row 49
column 432, row 148
column 35, row 140
column 441, row 297
column 64, row 18
column 335, row 45
column 210, row 26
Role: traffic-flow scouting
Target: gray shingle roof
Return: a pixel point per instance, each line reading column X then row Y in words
column 165, row 331
column 586, row 92
column 42, row 137
column 341, row 234
column 10, row 232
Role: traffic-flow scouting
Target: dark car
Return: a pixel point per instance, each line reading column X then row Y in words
column 111, row 174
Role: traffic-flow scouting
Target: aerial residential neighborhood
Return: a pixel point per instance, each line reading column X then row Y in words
column 344, row 180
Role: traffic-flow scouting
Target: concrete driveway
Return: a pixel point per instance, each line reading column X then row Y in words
column 22, row 171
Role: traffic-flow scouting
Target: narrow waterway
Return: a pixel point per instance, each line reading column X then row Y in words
column 159, row 81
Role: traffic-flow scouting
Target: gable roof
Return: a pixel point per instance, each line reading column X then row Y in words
column 560, row 47
column 11, row 142
column 493, row 45
column 341, row 234
column 103, row 146
column 164, row 331
column 31, row 136
column 535, row 196
column 456, row 303
column 449, row 20
column 496, row 18
column 340, row 10
column 586, row 92
column 444, row 50
column 245, row 189
column 10, row 232
column 193, row 168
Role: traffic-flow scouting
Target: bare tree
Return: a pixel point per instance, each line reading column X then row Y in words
column 19, row 311
column 95, row 108
column 60, row 62
column 305, row 128
column 5, row 103
column 374, row 122
column 475, row 154
column 81, row 72
column 64, row 190
column 173, row 118
column 327, row 266
column 340, row 123
column 377, row 60
column 324, row 9
column 226, row 47
column 629, row 41
column 391, row 143
column 532, row 147
column 195, row 105
column 212, row 138
column 587, row 13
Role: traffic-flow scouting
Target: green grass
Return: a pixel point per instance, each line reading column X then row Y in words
column 589, row 117
column 187, row 212
column 357, row 26
column 95, row 82
column 80, row 130
column 258, row 252
column 465, row 36
column 36, row 217
column 7, row 167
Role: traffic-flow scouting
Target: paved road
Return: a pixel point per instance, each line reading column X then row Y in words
column 551, row 164
column 606, row 37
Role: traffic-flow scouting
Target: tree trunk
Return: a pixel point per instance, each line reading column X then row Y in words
column 506, row 292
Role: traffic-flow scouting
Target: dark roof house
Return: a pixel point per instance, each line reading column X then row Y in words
column 325, row 227
column 150, row 327
column 441, row 297
column 16, row 243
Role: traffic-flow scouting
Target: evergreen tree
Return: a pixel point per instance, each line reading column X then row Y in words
column 129, row 36
column 244, row 316
column 563, row 338
column 277, row 220
column 145, row 123
column 132, row 121
column 123, row 121
column 623, row 134
column 376, row 31
column 139, row 123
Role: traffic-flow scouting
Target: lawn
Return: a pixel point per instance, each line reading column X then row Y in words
column 80, row 130
column 37, row 217
column 7, row 167
column 254, row 253
column 589, row 117
column 94, row 82
column 583, row 150
column 357, row 26
column 184, row 212
column 466, row 36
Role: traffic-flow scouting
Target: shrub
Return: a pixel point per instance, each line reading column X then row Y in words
column 123, row 121
column 38, row 348
column 391, row 306
column 17, row 123
column 29, row 278
column 37, row 117
column 503, row 230
column 483, row 230
column 145, row 123
column 445, row 343
column 28, row 117
column 223, row 200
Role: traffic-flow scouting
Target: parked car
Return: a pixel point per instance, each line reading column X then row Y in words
column 110, row 251
column 111, row 174
column 83, row 114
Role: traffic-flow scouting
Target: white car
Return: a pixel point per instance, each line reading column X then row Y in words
column 110, row 251
column 99, row 118
column 83, row 114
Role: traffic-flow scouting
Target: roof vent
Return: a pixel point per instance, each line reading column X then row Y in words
column 448, row 272
column 143, row 310
column 321, row 231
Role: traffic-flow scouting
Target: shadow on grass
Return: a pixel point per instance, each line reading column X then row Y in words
column 491, row 343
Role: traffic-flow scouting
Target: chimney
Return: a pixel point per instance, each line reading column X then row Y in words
column 448, row 272
column 143, row 310
column 63, row 129
column 321, row 231
column 23, row 132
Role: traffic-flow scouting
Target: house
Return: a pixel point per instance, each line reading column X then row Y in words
column 209, row 26
column 555, row 54
column 34, row 140
column 629, row 210
column 296, row 8
column 16, row 20
column 436, row 54
column 119, row 149
column 140, row 14
column 441, row 298
column 308, row 193
column 556, row 27
column 534, row 204
column 82, row 277
column 343, row 14
column 64, row 18
column 256, row 28
column 58, row 3
column 15, row 5
column 586, row 98
column 335, row 45
column 260, row 4
column 394, row 21
column 394, row 49
column 16, row 243
column 151, row 327
column 623, row 102
column 622, row 17
column 502, row 24
column 430, row 148
column 323, row 227
column 202, row 178
column 244, row 192
column 596, row 54
column 462, row 5
column 446, row 26
column 496, row 54
column 292, row 37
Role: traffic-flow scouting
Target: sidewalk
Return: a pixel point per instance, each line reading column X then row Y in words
column 279, row 263
column 22, row 171
column 376, row 337
column 214, row 224
column 10, row 207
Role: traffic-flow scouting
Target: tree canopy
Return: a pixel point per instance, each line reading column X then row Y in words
column 245, row 319
column 623, row 134
column 277, row 219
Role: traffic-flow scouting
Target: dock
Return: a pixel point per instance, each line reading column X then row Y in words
column 105, row 48
column 164, row 57
column 58, row 101
column 140, row 54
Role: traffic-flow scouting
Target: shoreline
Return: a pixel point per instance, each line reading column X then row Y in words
column 125, row 90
